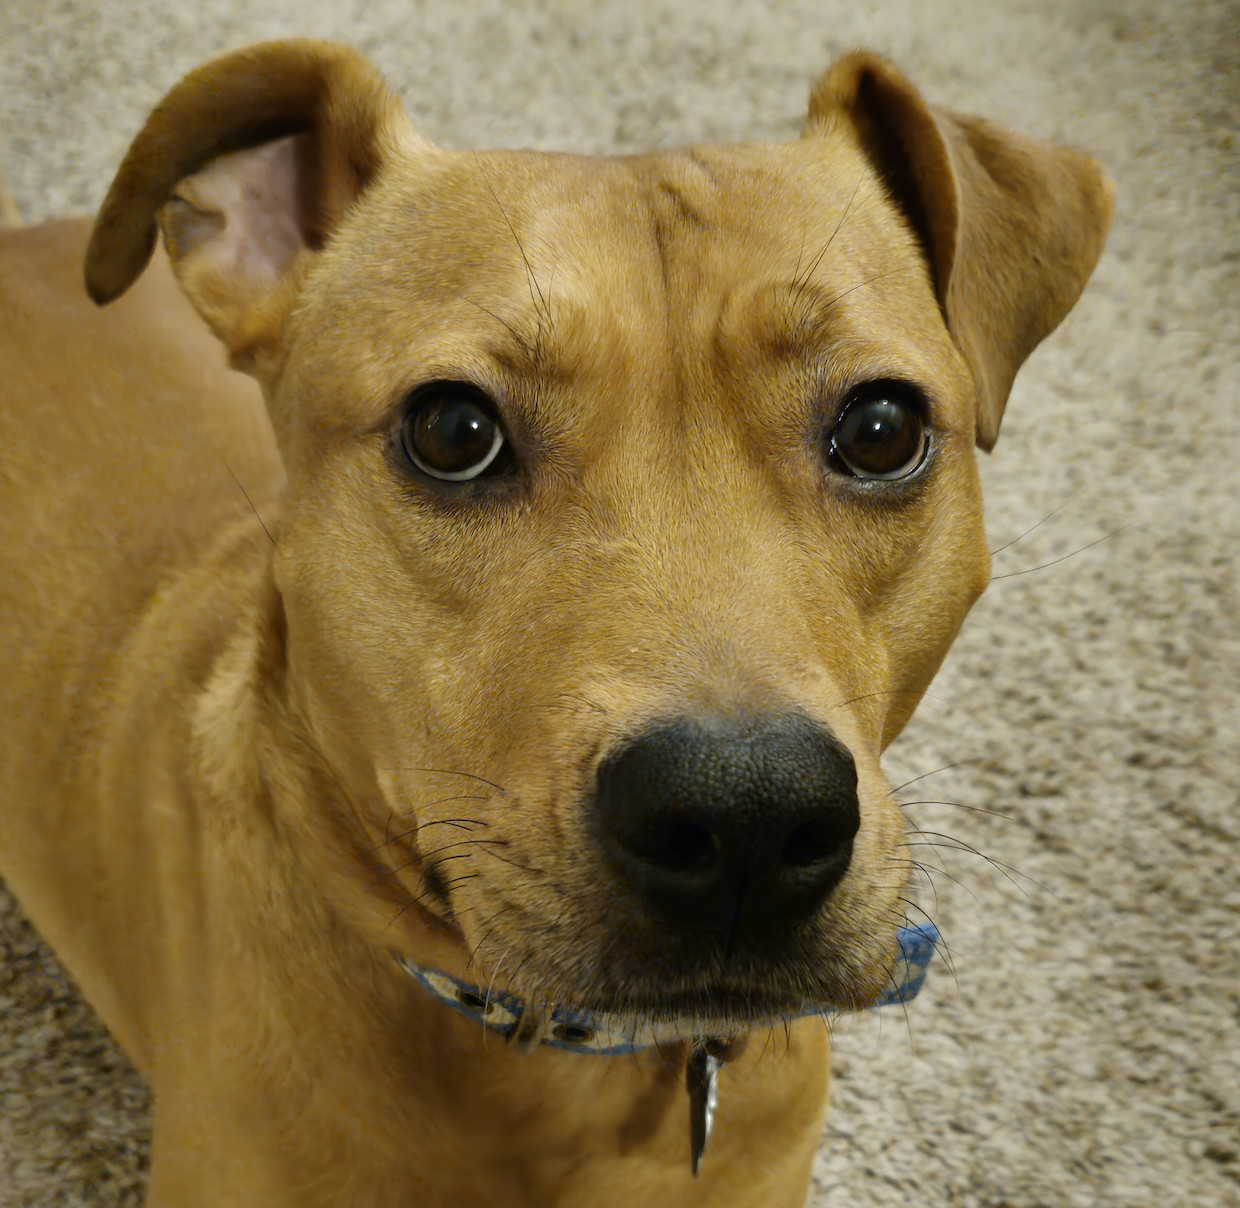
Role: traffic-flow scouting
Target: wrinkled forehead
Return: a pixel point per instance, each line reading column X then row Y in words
column 577, row 266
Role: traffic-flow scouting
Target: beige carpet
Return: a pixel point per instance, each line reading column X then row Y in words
column 1087, row 1050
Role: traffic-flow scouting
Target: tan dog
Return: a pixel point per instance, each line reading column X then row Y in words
column 615, row 513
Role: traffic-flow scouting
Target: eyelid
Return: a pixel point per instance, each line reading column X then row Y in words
column 877, row 387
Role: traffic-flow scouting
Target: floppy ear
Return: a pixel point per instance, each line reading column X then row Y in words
column 247, row 166
column 1012, row 226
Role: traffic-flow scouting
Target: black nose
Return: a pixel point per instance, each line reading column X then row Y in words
column 729, row 827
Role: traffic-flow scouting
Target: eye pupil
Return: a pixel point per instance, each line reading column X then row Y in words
column 453, row 435
column 451, row 431
column 880, row 435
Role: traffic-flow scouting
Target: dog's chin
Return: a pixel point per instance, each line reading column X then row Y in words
column 701, row 998
column 710, row 1012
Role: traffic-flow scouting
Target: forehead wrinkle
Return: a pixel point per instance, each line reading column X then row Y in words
column 566, row 295
column 525, row 340
column 810, row 336
column 570, row 342
column 807, row 315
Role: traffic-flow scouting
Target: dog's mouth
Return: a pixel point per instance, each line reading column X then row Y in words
column 629, row 987
column 618, row 1024
column 706, row 997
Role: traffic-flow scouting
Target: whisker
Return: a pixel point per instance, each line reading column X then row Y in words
column 486, row 926
column 525, row 868
column 949, row 957
column 908, row 1022
column 926, row 869
column 799, row 283
column 430, row 867
column 473, row 952
column 449, row 772
column 540, row 301
column 251, row 503
column 796, row 272
column 522, row 342
column 960, row 805
column 862, row 284
column 417, row 827
column 494, row 975
column 430, row 855
column 456, row 797
column 484, row 848
column 417, row 900
column 947, row 767
column 1032, row 528
column 464, row 824
column 842, row 704
column 951, row 843
column 1056, row 561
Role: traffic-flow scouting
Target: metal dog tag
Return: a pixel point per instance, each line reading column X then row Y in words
column 702, row 1083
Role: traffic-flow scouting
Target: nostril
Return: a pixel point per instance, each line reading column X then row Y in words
column 811, row 842
column 688, row 847
column 677, row 846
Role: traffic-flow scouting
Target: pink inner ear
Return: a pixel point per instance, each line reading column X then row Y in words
column 248, row 213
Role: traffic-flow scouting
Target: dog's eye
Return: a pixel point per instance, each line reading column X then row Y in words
column 881, row 433
column 450, row 431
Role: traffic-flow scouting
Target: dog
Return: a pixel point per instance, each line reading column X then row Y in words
column 500, row 662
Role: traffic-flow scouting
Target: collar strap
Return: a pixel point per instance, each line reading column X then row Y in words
column 580, row 1032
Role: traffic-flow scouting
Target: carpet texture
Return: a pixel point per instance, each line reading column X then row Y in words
column 1084, row 1048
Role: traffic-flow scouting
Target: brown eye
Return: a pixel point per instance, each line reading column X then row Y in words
column 451, row 431
column 881, row 433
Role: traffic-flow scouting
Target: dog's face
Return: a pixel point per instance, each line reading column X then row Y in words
column 672, row 351
column 631, row 507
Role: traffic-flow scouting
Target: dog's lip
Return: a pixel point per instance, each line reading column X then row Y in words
column 627, row 1024
column 705, row 1002
column 759, row 993
column 708, row 1009
column 624, row 1022
column 709, row 1005
column 757, row 997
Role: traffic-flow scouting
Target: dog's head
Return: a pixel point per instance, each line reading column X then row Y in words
column 631, row 502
